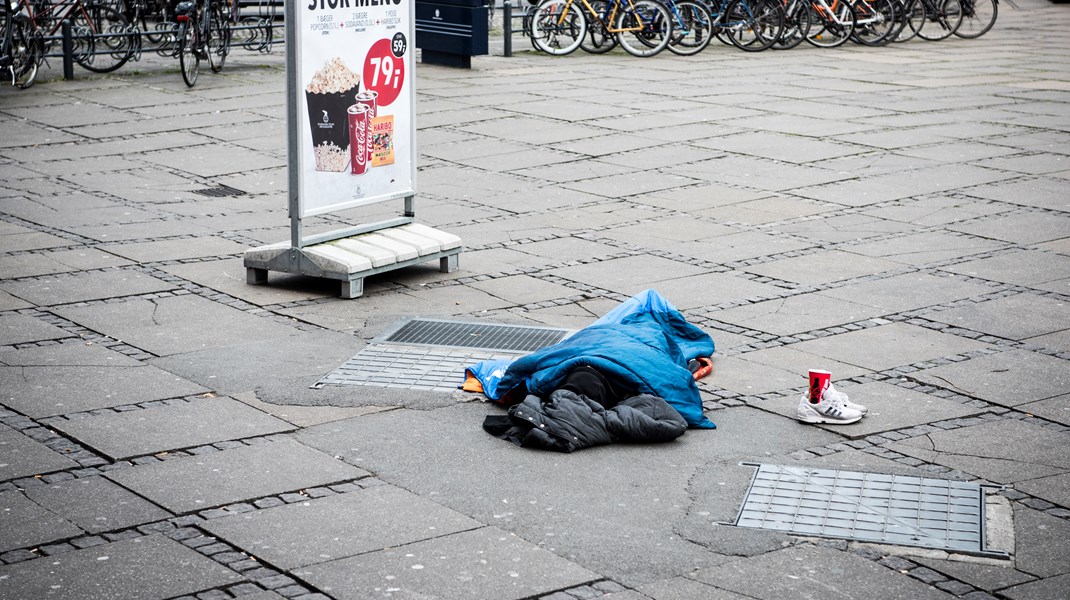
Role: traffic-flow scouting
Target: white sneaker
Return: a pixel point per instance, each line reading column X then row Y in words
column 829, row 410
column 841, row 397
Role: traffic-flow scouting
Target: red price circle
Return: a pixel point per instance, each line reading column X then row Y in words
column 383, row 72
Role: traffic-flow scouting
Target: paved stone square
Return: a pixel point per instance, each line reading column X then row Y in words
column 899, row 216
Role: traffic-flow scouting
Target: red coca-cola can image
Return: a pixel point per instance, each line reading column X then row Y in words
column 360, row 139
column 370, row 98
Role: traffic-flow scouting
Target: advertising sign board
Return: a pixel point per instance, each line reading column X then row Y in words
column 352, row 133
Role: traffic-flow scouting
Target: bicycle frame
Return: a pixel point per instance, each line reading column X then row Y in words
column 616, row 4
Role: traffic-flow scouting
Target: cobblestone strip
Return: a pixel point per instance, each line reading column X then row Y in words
column 54, row 441
column 86, row 335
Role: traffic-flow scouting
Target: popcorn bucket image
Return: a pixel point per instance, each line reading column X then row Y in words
column 328, row 97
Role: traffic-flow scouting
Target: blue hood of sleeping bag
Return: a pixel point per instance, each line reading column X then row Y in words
column 645, row 343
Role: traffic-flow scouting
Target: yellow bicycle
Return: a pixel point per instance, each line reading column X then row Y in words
column 641, row 27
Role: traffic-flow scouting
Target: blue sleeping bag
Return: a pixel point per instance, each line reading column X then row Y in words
column 644, row 343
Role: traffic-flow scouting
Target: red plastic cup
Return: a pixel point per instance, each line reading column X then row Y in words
column 360, row 124
column 819, row 380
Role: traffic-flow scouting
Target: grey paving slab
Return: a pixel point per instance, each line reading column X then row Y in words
column 85, row 286
column 1037, row 452
column 988, row 577
column 228, row 276
column 803, row 571
column 59, row 261
column 1054, row 409
column 631, row 184
column 71, row 354
column 908, row 291
column 1039, row 590
column 27, row 524
column 23, row 133
column 1047, row 193
column 1015, row 317
column 23, row 456
column 147, row 568
column 336, row 527
column 1038, row 540
column 622, row 274
column 890, row 408
column 188, row 484
column 926, row 247
column 176, row 324
column 173, row 426
column 934, row 211
column 1021, row 267
column 693, row 291
column 682, row 588
column 823, row 267
column 212, row 160
column 307, row 416
column 20, row 329
column 1020, row 228
column 761, row 174
column 1054, row 489
column 777, row 146
column 842, row 228
column 95, row 504
column 177, row 249
column 682, row 228
column 487, row 562
column 888, row 346
column 798, row 362
column 640, row 520
column 1008, row 378
column 42, row 391
column 770, row 210
column 796, row 314
column 524, row 289
column 745, row 245
column 742, row 376
column 9, row 302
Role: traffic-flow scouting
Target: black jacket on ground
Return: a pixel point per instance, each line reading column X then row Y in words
column 567, row 421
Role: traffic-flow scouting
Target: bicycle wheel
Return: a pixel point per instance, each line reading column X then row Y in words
column 832, row 25
column 903, row 10
column 188, row 58
column 557, row 27
column 644, row 29
column 692, row 30
column 112, row 38
column 942, row 18
column 796, row 26
column 754, row 25
column 219, row 36
column 874, row 22
column 598, row 39
column 25, row 50
column 978, row 16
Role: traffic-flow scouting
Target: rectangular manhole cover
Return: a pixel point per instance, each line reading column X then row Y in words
column 486, row 336
column 870, row 507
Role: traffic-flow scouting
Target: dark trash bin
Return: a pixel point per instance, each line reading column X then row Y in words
column 451, row 32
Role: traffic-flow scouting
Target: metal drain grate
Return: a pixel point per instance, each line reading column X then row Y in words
column 222, row 191
column 417, row 368
column 485, row 336
column 870, row 507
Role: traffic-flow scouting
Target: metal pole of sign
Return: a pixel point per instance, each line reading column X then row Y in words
column 293, row 173
column 293, row 166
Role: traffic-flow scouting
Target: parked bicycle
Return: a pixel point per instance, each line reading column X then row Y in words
column 641, row 27
column 21, row 47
